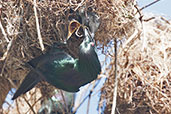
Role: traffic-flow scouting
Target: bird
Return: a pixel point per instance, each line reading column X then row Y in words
column 62, row 70
column 60, row 102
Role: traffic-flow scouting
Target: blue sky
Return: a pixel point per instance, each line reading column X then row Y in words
column 163, row 7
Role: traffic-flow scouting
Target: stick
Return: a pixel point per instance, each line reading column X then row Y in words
column 90, row 93
column 116, row 81
column 5, row 56
column 29, row 105
column 38, row 27
column 8, row 48
column 63, row 98
column 149, row 4
column 3, row 32
column 2, row 28
column 88, row 105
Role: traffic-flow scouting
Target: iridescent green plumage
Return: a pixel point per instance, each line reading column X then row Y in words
column 62, row 70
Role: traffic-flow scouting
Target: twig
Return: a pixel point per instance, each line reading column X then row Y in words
column 149, row 4
column 9, row 104
column 29, row 105
column 88, row 105
column 38, row 27
column 74, row 111
column 79, row 100
column 3, row 32
column 130, row 39
column 63, row 98
column 11, row 82
column 151, row 18
column 5, row 55
column 165, row 20
column 8, row 48
column 35, row 103
column 138, row 11
column 141, row 16
column 116, row 81
column 79, row 5
column 90, row 94
column 17, row 106
column 61, row 107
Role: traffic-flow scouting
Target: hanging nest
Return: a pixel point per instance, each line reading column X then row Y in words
column 144, row 71
column 28, row 29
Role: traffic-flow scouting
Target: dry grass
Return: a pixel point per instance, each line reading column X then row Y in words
column 144, row 68
column 28, row 29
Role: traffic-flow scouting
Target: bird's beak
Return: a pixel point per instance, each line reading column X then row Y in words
column 88, row 34
column 73, row 26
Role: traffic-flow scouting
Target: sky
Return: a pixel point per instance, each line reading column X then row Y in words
column 163, row 8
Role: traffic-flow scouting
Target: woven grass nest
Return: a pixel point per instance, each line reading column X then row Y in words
column 29, row 28
column 144, row 71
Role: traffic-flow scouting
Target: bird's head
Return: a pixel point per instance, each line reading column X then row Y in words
column 83, row 18
column 88, row 43
column 81, row 31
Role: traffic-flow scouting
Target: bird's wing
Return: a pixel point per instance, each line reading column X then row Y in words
column 56, row 48
column 56, row 62
column 35, row 61
column 49, row 64
column 58, row 69
column 28, row 83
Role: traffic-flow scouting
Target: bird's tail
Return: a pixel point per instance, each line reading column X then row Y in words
column 28, row 83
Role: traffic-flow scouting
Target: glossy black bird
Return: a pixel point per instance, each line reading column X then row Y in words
column 60, row 102
column 62, row 70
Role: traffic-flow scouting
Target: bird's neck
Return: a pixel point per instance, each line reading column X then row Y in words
column 87, row 61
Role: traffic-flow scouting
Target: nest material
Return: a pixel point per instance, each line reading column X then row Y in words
column 144, row 71
column 19, row 43
column 29, row 104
